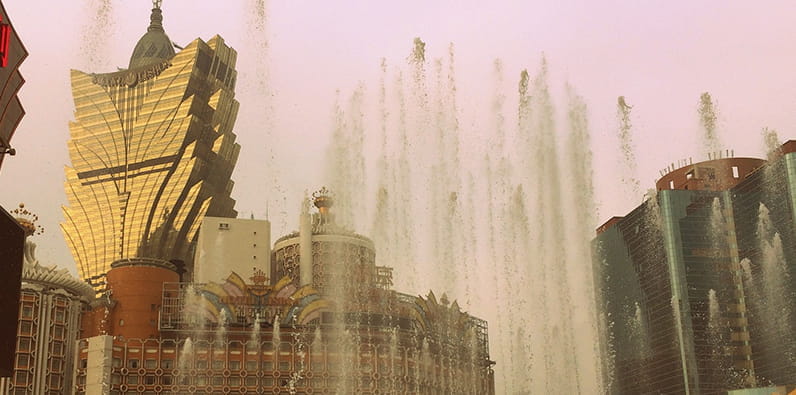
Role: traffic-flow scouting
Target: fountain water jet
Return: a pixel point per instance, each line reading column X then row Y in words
column 708, row 117
column 774, row 273
column 427, row 199
column 97, row 35
column 629, row 177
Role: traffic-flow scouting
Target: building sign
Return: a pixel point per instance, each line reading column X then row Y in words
column 5, row 40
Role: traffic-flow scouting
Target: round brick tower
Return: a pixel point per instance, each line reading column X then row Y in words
column 136, row 285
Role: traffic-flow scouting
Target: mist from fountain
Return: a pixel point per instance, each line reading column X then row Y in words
column 628, row 158
column 257, row 40
column 221, row 328
column 185, row 360
column 255, row 336
column 771, row 142
column 774, row 275
column 749, row 280
column 708, row 117
column 639, row 333
column 97, row 33
column 714, row 317
column 276, row 336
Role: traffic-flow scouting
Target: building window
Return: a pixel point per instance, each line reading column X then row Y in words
column 132, row 363
column 59, row 316
column 27, row 311
column 22, row 360
column 25, row 327
column 21, row 378
column 218, row 364
column 24, row 345
column 251, row 365
column 223, row 226
column 117, row 362
column 735, row 172
column 58, row 348
column 58, row 332
column 132, row 379
column 150, row 364
column 234, row 365
column 149, row 380
column 167, row 363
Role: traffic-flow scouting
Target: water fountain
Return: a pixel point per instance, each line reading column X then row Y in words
column 185, row 361
column 708, row 117
column 254, row 340
column 529, row 183
column 774, row 274
column 221, row 327
column 638, row 330
column 628, row 158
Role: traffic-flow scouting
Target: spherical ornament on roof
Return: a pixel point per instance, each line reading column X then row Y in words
column 323, row 198
column 27, row 220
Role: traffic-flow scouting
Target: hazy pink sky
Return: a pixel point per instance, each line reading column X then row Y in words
column 660, row 55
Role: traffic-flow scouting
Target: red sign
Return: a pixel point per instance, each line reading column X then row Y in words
column 5, row 39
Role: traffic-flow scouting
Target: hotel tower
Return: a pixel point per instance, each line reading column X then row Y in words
column 152, row 152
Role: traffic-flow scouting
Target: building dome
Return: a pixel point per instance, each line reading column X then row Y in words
column 154, row 46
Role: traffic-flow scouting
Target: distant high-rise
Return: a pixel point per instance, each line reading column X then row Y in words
column 152, row 153
column 696, row 285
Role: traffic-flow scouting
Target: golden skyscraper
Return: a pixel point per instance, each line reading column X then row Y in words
column 152, row 153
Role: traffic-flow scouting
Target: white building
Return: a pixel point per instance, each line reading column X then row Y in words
column 231, row 245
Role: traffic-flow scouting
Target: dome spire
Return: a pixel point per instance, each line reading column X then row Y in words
column 155, row 46
column 156, row 18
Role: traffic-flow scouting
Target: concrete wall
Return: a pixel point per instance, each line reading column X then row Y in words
column 98, row 365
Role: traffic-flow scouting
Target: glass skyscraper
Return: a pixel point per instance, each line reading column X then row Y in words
column 683, row 281
column 152, row 152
